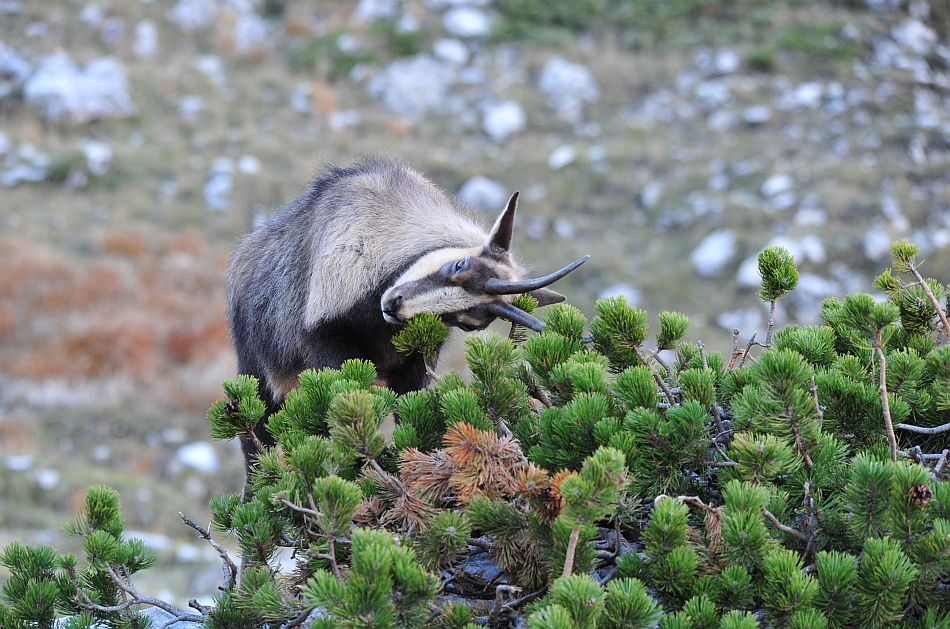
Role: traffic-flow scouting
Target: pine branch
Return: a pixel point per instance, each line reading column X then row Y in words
column 885, row 403
column 924, row 430
column 229, row 568
column 945, row 455
column 571, row 549
column 656, row 376
column 748, row 349
column 814, row 396
column 735, row 349
column 930, row 295
column 771, row 326
column 785, row 529
column 125, row 584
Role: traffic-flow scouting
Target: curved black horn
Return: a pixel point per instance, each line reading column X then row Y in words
column 496, row 286
column 516, row 315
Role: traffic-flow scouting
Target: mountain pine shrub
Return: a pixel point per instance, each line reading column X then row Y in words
column 601, row 481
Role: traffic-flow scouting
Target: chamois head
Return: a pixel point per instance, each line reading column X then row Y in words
column 470, row 288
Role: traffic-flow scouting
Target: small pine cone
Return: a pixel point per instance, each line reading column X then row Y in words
column 920, row 495
column 232, row 407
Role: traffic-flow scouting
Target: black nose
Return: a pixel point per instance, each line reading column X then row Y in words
column 391, row 307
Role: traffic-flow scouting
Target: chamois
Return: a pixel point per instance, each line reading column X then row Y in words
column 334, row 273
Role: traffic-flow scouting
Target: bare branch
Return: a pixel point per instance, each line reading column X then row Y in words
column 229, row 567
column 785, row 529
column 748, row 348
column 814, row 396
column 771, row 327
column 126, row 585
column 924, row 430
column 885, row 403
column 933, row 299
column 656, row 376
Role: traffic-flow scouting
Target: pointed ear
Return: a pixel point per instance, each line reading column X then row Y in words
column 500, row 238
column 546, row 296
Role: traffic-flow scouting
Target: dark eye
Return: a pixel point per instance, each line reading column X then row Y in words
column 461, row 265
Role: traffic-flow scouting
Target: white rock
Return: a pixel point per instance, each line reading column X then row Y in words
column 14, row 71
column 91, row 15
column 190, row 106
column 777, row 184
column 343, row 118
column 191, row 15
column 712, row 94
column 249, row 165
column 19, row 462
column 915, row 36
column 816, row 287
column 101, row 453
column 370, row 10
column 212, row 67
column 413, row 86
column 250, row 32
column 217, row 190
column 561, row 157
column 567, row 87
column 811, row 216
column 748, row 274
column 651, row 194
column 453, row 51
column 98, row 156
column 499, row 120
column 564, row 228
column 47, row 479
column 187, row 553
column 146, row 39
column 483, row 193
column 813, row 249
column 199, row 456
column 726, row 61
column 19, row 173
column 155, row 541
column 722, row 120
column 876, row 244
column 756, row 114
column 808, row 95
column 714, row 252
column 300, row 97
column 623, row 289
column 748, row 320
column 113, row 32
column 782, row 201
column 64, row 90
column 466, row 22
column 5, row 144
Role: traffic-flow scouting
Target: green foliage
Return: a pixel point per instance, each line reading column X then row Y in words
column 619, row 330
column 628, row 606
column 424, row 334
column 240, row 413
column 673, row 326
column 778, row 273
column 385, row 586
column 604, row 433
column 884, row 576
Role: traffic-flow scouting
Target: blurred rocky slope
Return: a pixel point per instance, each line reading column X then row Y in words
column 673, row 140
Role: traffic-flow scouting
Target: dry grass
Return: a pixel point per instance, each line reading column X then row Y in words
column 139, row 310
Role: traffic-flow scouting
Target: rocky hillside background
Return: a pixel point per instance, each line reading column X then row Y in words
column 673, row 141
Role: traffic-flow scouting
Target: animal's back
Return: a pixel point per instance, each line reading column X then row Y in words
column 328, row 250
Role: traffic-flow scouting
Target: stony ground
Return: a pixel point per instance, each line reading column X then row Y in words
column 139, row 139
